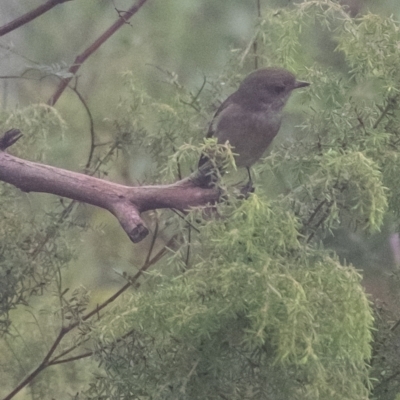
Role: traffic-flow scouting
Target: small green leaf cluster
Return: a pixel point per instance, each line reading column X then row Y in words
column 340, row 166
column 258, row 315
column 38, row 122
column 159, row 129
column 32, row 250
column 262, row 310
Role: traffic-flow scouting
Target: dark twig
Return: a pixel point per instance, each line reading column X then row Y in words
column 196, row 97
column 315, row 212
column 66, row 360
column 46, row 362
column 259, row 8
column 67, row 351
column 390, row 103
column 255, row 43
column 91, row 127
column 43, row 365
column 188, row 246
column 104, row 159
column 30, row 16
column 392, row 328
column 153, row 242
column 9, row 138
column 81, row 58
column 131, row 282
column 56, row 360
column 184, row 218
column 320, row 222
column 66, row 212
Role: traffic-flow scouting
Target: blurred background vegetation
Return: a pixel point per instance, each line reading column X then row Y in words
column 174, row 41
column 192, row 39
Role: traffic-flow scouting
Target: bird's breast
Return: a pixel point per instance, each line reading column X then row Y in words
column 249, row 132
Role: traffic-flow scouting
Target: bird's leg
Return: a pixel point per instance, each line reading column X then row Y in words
column 248, row 187
column 250, row 182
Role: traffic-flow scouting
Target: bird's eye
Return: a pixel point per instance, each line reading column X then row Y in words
column 278, row 89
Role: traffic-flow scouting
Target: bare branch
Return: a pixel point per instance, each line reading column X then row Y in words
column 43, row 365
column 46, row 362
column 81, row 58
column 75, row 358
column 9, row 138
column 91, row 127
column 30, row 16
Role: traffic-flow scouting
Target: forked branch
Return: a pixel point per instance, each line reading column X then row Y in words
column 126, row 203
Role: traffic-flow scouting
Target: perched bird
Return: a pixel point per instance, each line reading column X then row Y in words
column 250, row 118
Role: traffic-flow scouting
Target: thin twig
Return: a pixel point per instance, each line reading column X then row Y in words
column 395, row 325
column 56, row 360
column 91, row 125
column 186, row 221
column 132, row 281
column 8, row 138
column 320, row 222
column 66, row 360
column 385, row 111
column 153, row 241
column 255, row 43
column 315, row 212
column 81, row 58
column 67, row 351
column 46, row 362
column 30, row 16
column 104, row 159
column 196, row 96
column 188, row 246
column 43, row 365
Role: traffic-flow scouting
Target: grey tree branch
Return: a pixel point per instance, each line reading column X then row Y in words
column 81, row 58
column 30, row 16
column 126, row 203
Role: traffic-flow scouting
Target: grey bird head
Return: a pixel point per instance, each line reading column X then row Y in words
column 267, row 87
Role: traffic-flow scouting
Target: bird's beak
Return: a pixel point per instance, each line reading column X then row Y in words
column 300, row 84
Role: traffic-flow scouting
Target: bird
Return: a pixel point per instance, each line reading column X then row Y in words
column 250, row 118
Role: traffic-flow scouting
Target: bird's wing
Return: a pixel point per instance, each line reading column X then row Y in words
column 222, row 107
column 213, row 124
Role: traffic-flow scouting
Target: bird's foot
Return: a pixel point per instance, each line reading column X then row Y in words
column 247, row 189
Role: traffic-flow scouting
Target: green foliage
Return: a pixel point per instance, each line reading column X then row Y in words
column 160, row 129
column 38, row 122
column 32, row 253
column 257, row 308
column 29, row 261
column 261, row 304
column 251, row 306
